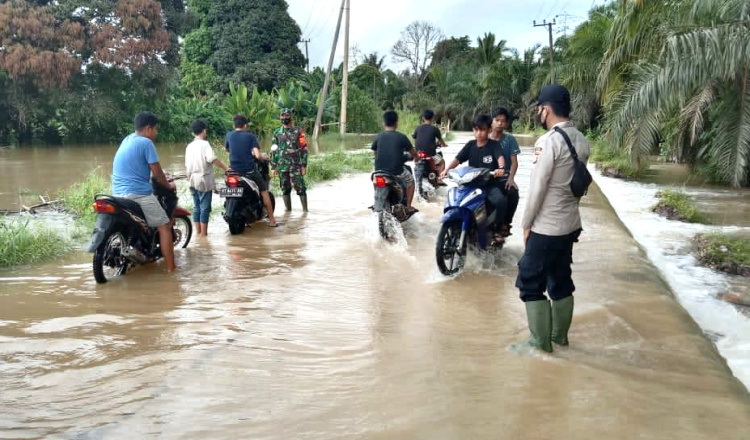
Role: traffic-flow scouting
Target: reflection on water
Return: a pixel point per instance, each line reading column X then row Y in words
column 720, row 204
column 319, row 330
column 27, row 172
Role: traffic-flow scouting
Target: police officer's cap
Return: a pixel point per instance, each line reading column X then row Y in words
column 552, row 93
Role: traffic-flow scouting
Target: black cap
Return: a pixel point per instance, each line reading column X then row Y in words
column 552, row 93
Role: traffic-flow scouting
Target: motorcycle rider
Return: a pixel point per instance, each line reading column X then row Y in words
column 289, row 160
column 389, row 147
column 484, row 152
column 244, row 150
column 427, row 137
column 500, row 123
column 134, row 163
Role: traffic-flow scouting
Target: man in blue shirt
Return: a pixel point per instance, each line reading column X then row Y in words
column 500, row 122
column 135, row 161
column 244, row 150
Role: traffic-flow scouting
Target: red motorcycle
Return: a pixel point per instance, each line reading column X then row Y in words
column 426, row 168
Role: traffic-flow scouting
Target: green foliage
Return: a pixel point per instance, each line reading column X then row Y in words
column 254, row 42
column 682, row 58
column 331, row 166
column 259, row 108
column 22, row 244
column 613, row 161
column 362, row 114
column 676, row 205
column 725, row 252
column 79, row 197
column 196, row 47
column 304, row 101
column 178, row 113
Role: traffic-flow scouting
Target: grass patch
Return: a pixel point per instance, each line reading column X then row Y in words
column 333, row 165
column 676, row 205
column 612, row 161
column 22, row 244
column 79, row 197
column 449, row 137
column 724, row 252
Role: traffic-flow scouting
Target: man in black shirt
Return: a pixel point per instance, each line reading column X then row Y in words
column 483, row 152
column 427, row 137
column 244, row 150
column 389, row 147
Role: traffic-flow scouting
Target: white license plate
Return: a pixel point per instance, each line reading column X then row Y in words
column 231, row 192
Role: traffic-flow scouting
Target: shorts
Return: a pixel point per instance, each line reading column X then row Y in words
column 152, row 210
column 256, row 177
column 407, row 177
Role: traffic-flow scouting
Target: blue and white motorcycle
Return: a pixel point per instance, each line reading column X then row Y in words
column 467, row 219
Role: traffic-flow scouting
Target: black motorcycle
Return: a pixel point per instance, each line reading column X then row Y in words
column 123, row 240
column 390, row 201
column 244, row 204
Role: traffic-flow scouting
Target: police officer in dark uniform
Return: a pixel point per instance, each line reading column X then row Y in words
column 551, row 224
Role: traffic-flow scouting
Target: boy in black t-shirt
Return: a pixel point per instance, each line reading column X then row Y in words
column 427, row 137
column 484, row 152
column 389, row 147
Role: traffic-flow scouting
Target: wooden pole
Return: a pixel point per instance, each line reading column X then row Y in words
column 324, row 92
column 345, row 81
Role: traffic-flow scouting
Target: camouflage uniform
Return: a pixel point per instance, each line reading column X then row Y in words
column 289, row 158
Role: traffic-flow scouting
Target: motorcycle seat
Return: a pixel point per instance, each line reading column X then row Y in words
column 130, row 205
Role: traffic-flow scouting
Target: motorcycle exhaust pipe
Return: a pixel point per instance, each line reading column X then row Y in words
column 134, row 255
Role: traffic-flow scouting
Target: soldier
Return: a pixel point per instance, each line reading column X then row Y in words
column 289, row 159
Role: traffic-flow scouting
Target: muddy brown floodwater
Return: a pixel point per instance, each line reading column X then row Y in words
column 318, row 330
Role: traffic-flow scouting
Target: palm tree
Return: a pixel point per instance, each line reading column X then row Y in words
column 700, row 78
column 488, row 52
column 373, row 60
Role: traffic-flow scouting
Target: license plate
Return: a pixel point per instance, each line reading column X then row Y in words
column 231, row 192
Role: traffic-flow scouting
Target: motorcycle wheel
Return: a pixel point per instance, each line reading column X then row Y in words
column 450, row 254
column 182, row 231
column 382, row 224
column 236, row 225
column 108, row 260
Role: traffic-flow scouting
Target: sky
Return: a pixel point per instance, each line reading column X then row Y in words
column 377, row 24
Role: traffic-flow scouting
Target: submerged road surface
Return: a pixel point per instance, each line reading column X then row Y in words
column 318, row 330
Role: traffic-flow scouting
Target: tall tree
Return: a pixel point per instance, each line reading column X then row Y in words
column 417, row 46
column 254, row 41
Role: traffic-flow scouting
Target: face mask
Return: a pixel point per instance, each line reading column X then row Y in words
column 543, row 123
column 286, row 121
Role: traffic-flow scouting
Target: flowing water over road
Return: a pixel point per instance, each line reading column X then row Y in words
column 318, row 330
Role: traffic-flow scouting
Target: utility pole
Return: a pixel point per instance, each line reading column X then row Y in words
column 345, row 79
column 307, row 56
column 551, row 48
column 324, row 92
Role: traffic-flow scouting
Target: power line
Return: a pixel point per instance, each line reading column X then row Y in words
column 309, row 16
column 330, row 15
column 551, row 9
column 316, row 21
column 540, row 9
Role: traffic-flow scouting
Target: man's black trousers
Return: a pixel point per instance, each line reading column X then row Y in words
column 545, row 266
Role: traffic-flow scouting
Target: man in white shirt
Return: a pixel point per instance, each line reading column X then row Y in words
column 199, row 161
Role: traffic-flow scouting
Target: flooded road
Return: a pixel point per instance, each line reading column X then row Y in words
column 318, row 330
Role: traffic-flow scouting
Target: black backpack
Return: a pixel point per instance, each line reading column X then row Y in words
column 581, row 180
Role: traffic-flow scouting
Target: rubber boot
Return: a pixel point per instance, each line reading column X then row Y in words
column 303, row 200
column 539, row 315
column 287, row 202
column 562, row 316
